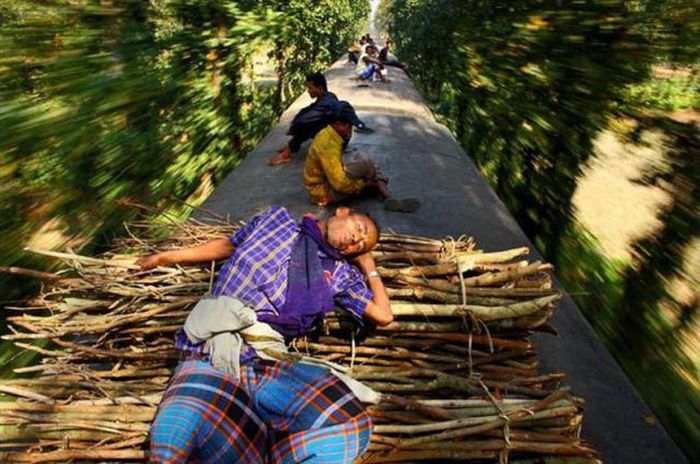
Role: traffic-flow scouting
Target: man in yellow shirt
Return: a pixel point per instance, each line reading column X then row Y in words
column 328, row 180
column 325, row 177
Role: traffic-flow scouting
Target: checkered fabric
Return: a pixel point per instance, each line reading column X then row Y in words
column 288, row 413
column 256, row 273
column 206, row 417
column 311, row 415
column 336, row 444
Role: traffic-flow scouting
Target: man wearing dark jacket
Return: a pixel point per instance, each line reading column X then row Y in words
column 310, row 120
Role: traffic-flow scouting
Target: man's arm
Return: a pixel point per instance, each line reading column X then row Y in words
column 335, row 173
column 319, row 110
column 375, row 61
column 378, row 309
column 211, row 251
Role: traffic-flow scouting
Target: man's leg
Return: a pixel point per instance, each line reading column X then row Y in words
column 362, row 168
column 367, row 73
column 334, row 444
column 312, row 416
column 300, row 134
column 206, row 416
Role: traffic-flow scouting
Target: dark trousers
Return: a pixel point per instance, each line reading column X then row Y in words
column 303, row 132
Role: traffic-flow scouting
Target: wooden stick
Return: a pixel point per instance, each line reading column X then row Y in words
column 75, row 455
column 515, row 446
column 411, row 405
column 418, row 271
column 485, row 313
column 447, row 286
column 25, row 394
column 318, row 347
column 81, row 259
column 498, row 422
column 426, row 455
column 522, row 345
column 496, row 278
column 31, row 273
column 470, row 260
column 114, row 354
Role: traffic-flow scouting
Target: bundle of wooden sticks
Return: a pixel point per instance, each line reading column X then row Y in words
column 456, row 369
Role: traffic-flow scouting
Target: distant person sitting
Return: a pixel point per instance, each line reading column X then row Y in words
column 373, row 69
column 360, row 66
column 310, row 120
column 354, row 52
column 328, row 180
column 387, row 59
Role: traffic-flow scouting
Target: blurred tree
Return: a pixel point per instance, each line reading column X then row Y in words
column 526, row 86
column 642, row 336
column 151, row 102
column 125, row 99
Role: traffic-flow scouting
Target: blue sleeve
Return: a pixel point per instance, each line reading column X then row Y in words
column 350, row 289
column 240, row 235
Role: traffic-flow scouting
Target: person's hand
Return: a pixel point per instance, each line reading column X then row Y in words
column 365, row 262
column 152, row 261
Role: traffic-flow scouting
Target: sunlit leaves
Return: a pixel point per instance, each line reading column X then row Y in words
column 141, row 100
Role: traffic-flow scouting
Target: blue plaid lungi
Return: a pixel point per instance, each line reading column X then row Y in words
column 282, row 412
column 311, row 415
column 206, row 416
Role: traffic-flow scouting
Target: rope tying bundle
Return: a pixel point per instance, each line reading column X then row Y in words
column 503, row 456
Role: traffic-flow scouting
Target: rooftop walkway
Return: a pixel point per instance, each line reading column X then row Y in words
column 422, row 159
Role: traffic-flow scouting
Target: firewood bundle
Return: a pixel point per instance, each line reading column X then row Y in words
column 456, row 369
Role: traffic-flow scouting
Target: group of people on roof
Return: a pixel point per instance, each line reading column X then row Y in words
column 238, row 394
column 329, row 123
column 371, row 61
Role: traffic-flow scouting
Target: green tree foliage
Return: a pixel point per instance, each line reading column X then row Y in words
column 526, row 86
column 648, row 345
column 144, row 101
column 107, row 100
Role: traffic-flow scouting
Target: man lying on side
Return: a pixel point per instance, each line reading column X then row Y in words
column 311, row 119
column 238, row 396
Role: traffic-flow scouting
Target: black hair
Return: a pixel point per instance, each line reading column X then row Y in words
column 317, row 79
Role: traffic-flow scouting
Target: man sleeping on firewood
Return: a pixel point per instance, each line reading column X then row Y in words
column 238, row 395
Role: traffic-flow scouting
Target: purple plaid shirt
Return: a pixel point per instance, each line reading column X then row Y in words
column 256, row 272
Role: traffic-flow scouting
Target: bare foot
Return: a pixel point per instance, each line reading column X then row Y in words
column 283, row 156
